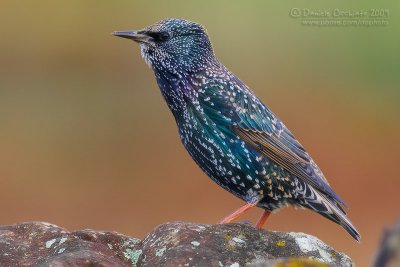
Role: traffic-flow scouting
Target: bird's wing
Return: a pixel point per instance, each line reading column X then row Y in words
column 255, row 124
column 286, row 151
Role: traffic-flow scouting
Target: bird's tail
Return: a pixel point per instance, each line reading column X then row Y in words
column 330, row 209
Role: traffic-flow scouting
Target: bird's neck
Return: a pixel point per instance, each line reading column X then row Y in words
column 179, row 87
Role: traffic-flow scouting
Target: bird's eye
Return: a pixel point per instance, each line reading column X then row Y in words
column 164, row 36
column 159, row 36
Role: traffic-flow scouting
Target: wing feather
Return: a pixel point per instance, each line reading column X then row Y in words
column 298, row 164
column 246, row 116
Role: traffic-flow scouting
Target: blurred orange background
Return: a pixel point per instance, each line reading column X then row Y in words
column 86, row 140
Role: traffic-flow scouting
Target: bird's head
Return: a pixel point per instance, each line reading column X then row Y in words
column 173, row 45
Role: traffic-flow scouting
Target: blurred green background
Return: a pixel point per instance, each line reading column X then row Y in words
column 86, row 140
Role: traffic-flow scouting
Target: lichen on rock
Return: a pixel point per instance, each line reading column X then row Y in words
column 170, row 244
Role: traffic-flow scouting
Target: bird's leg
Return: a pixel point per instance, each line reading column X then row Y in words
column 263, row 219
column 237, row 213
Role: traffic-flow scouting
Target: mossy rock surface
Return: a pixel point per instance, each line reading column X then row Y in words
column 170, row 244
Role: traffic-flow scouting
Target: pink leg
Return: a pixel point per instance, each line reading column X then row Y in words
column 237, row 213
column 263, row 219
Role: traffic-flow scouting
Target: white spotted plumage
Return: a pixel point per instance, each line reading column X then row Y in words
column 234, row 138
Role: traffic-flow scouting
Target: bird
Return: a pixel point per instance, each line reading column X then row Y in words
column 228, row 131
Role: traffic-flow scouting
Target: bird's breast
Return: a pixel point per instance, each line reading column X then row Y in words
column 227, row 160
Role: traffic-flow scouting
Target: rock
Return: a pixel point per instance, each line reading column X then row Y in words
column 170, row 244
column 44, row 244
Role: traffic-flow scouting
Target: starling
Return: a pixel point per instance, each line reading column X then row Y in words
column 228, row 131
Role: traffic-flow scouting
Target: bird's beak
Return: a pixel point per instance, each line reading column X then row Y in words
column 137, row 36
